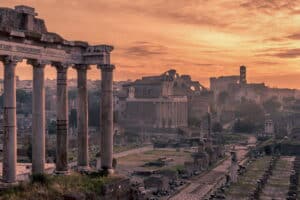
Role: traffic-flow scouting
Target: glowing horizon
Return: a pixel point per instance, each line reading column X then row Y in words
column 201, row 38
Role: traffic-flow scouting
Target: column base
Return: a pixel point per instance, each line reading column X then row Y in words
column 4, row 184
column 62, row 172
column 107, row 172
column 83, row 169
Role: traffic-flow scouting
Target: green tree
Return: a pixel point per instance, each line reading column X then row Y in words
column 94, row 108
column 251, row 112
column 72, row 94
column 272, row 106
column 243, row 126
column 73, row 118
column 52, row 127
column 195, row 122
column 223, row 97
column 23, row 96
column 217, row 127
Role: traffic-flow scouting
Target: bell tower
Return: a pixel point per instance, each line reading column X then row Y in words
column 243, row 75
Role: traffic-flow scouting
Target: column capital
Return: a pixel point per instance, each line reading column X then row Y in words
column 106, row 67
column 38, row 63
column 81, row 67
column 61, row 66
column 10, row 59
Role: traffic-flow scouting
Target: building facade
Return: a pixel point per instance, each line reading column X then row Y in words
column 163, row 103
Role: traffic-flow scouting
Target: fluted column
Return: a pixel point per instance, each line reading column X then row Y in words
column 9, row 120
column 38, row 117
column 107, row 117
column 82, row 117
column 62, row 119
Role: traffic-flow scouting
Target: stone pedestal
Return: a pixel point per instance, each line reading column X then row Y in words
column 82, row 117
column 106, row 117
column 9, row 120
column 62, row 120
column 38, row 117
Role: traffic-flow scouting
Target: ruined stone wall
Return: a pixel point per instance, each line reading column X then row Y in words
column 10, row 20
column 117, row 190
column 148, row 91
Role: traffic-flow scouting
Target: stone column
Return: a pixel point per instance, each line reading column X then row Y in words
column 62, row 119
column 9, row 120
column 163, row 115
column 160, row 114
column 38, row 117
column 175, row 115
column 156, row 104
column 182, row 113
column 106, row 117
column 179, row 114
column 82, row 117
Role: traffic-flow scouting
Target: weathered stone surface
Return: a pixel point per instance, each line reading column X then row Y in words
column 13, row 19
column 62, row 119
column 107, row 117
column 38, row 115
column 24, row 36
column 10, row 121
column 82, row 118
column 22, row 22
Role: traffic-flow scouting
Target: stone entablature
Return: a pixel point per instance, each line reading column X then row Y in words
column 24, row 35
column 182, row 99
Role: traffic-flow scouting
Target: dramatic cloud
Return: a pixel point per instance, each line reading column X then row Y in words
column 271, row 6
column 281, row 53
column 200, row 37
column 289, row 53
column 145, row 49
column 295, row 36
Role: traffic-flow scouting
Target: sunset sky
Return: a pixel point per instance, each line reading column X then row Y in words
column 202, row 38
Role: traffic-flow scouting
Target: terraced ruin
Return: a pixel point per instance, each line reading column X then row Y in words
column 248, row 181
column 267, row 178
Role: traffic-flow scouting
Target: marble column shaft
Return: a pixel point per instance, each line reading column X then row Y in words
column 9, row 120
column 106, row 116
column 38, row 117
column 62, row 119
column 82, row 116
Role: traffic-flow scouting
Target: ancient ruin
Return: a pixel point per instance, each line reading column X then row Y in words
column 24, row 36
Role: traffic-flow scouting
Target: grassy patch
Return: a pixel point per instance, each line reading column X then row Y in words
column 247, row 182
column 54, row 187
column 234, row 138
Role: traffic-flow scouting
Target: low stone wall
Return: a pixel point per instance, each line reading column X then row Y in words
column 219, row 184
column 117, row 190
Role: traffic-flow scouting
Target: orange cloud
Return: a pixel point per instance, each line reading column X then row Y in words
column 198, row 37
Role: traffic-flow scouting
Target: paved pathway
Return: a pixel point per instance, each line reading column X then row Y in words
column 203, row 184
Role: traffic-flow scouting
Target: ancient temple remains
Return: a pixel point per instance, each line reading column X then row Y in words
column 24, row 36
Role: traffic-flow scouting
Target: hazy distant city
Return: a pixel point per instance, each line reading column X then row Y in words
column 161, row 137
